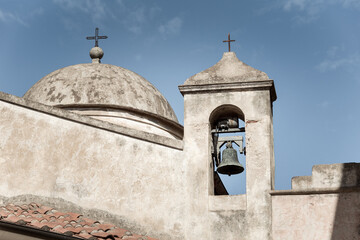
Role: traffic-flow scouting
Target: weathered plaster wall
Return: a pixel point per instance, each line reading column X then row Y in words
column 316, row 216
column 227, row 216
column 325, row 205
column 49, row 156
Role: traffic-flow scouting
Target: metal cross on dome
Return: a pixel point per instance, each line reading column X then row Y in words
column 96, row 37
column 228, row 41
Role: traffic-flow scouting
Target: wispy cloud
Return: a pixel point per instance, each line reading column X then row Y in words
column 95, row 8
column 307, row 11
column 335, row 59
column 132, row 17
column 138, row 57
column 349, row 3
column 334, row 64
column 135, row 20
column 8, row 17
column 171, row 27
column 323, row 104
column 154, row 11
column 332, row 51
column 300, row 4
column 75, row 12
column 316, row 5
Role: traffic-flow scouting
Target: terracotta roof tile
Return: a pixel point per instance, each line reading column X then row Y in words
column 44, row 209
column 71, row 224
column 119, row 232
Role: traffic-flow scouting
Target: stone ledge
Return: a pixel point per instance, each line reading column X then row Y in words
column 315, row 191
column 64, row 114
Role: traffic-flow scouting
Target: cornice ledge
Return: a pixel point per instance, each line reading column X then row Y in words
column 315, row 191
column 238, row 86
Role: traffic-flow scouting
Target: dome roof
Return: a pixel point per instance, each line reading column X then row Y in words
column 101, row 85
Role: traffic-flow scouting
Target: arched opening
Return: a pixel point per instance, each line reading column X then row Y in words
column 228, row 150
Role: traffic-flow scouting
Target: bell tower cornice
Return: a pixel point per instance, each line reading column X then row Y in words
column 232, row 86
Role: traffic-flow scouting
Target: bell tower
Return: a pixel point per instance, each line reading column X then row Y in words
column 229, row 90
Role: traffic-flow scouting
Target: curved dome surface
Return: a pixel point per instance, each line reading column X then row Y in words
column 95, row 84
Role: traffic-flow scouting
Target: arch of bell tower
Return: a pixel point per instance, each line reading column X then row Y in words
column 229, row 87
column 225, row 110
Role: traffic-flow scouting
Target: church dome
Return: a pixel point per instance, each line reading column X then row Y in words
column 108, row 93
column 100, row 85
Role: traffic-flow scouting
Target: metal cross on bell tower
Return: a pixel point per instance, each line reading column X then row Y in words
column 96, row 37
column 228, row 41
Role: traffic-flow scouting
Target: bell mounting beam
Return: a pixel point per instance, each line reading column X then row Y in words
column 238, row 140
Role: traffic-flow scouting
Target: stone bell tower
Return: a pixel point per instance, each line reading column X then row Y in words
column 227, row 89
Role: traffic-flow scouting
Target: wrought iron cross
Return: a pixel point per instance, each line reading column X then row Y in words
column 228, row 41
column 96, row 37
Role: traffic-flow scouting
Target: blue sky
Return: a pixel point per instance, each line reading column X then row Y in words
column 309, row 47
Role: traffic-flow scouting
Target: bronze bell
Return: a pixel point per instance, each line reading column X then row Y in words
column 230, row 164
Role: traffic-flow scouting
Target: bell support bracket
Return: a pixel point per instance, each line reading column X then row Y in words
column 220, row 141
column 238, row 140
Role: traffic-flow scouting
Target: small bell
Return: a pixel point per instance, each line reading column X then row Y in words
column 230, row 163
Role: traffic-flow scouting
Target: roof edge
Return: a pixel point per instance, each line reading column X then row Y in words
column 178, row 129
column 31, row 231
column 65, row 114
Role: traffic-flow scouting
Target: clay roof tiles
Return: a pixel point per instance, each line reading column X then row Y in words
column 46, row 218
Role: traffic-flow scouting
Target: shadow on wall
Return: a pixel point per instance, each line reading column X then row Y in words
column 346, row 224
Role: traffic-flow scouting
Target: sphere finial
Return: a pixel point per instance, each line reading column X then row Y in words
column 96, row 53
